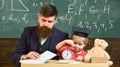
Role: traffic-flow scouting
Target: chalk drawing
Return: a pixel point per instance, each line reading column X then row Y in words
column 3, row 2
column 17, row 9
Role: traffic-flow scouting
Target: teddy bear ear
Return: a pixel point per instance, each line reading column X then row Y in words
column 96, row 40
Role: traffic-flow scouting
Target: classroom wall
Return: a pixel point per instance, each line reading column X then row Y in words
column 7, row 47
column 102, row 17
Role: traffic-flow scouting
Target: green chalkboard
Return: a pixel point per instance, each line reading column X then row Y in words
column 101, row 16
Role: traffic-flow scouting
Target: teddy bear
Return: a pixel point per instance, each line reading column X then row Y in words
column 98, row 50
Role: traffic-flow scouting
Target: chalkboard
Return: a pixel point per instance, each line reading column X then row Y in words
column 101, row 16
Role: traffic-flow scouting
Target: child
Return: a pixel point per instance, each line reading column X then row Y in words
column 73, row 49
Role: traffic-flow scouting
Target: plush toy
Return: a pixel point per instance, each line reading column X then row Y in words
column 98, row 51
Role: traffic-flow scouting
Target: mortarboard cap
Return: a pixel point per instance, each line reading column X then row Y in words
column 83, row 32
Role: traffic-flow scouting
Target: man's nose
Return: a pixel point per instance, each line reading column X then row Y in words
column 46, row 24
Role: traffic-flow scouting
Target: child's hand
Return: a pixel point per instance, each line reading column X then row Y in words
column 70, row 42
column 79, row 58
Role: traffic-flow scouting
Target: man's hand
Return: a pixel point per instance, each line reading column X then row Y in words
column 30, row 55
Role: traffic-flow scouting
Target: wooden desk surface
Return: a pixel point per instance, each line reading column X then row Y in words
column 52, row 64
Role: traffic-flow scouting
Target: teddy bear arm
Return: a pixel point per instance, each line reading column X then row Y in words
column 89, row 55
column 79, row 58
column 107, row 55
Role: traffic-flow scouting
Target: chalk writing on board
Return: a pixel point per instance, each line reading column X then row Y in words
column 17, row 9
column 13, row 5
column 40, row 3
column 14, row 19
column 93, row 11
column 2, row 4
column 97, row 15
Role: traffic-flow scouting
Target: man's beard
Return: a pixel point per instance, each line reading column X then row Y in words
column 44, row 32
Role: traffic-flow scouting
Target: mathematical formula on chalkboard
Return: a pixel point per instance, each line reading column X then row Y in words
column 98, row 15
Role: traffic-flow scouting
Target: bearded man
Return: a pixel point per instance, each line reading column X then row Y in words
column 36, row 40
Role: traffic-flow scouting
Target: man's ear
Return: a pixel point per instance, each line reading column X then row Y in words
column 56, row 21
column 38, row 16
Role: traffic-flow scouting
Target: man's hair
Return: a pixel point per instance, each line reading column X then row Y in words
column 48, row 10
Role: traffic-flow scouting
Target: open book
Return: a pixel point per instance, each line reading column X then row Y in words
column 44, row 57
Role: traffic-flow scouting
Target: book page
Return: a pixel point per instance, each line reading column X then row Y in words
column 44, row 57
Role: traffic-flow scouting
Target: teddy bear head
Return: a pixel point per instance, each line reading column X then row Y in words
column 100, row 43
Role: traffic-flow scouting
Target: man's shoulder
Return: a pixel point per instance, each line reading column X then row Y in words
column 30, row 28
column 59, row 31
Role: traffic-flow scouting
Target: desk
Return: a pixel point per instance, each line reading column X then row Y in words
column 66, row 65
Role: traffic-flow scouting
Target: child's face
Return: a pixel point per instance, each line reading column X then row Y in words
column 79, row 42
